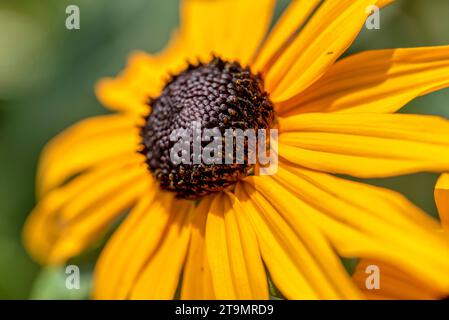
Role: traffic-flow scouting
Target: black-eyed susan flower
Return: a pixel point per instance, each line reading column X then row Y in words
column 221, row 232
column 400, row 284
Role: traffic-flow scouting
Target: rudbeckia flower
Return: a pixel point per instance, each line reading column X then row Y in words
column 227, row 232
column 397, row 284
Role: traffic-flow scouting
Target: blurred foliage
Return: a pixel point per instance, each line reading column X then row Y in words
column 47, row 74
column 51, row 284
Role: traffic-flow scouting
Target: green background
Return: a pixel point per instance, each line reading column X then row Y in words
column 47, row 74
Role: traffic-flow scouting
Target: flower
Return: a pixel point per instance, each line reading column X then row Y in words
column 334, row 116
column 397, row 284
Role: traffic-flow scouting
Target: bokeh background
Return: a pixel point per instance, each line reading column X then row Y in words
column 47, row 74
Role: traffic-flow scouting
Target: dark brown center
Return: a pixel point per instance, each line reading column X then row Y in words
column 219, row 95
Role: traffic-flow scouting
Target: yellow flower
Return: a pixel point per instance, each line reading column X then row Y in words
column 334, row 117
column 399, row 284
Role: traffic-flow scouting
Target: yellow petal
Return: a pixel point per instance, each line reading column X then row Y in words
column 115, row 94
column 101, row 190
column 325, row 37
column 222, row 27
column 290, row 23
column 159, row 276
column 245, row 254
column 143, row 78
column 84, row 145
column 394, row 283
column 366, row 145
column 196, row 279
column 291, row 20
column 235, row 262
column 105, row 269
column 362, row 221
column 59, row 211
column 134, row 242
column 301, row 262
column 83, row 231
column 375, row 81
column 46, row 224
column 383, row 3
column 442, row 199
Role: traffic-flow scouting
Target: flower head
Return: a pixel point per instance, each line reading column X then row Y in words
column 225, row 228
